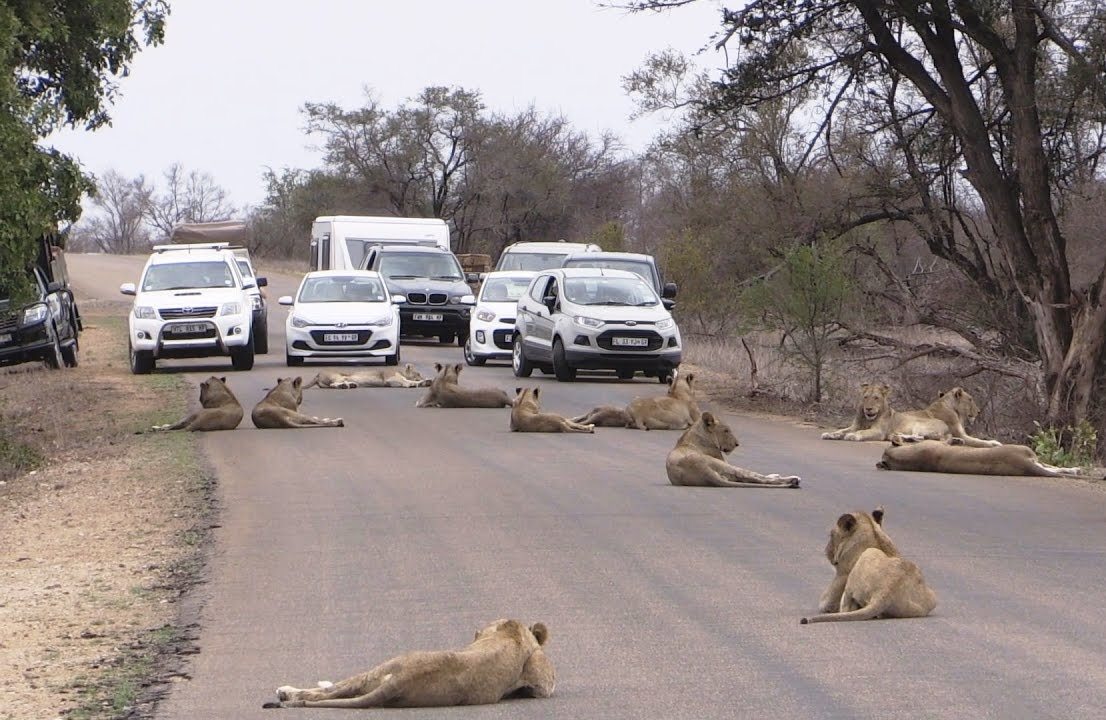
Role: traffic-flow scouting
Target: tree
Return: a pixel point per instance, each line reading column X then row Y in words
column 189, row 197
column 1000, row 105
column 60, row 63
column 118, row 226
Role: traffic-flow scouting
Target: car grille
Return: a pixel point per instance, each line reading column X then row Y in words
column 503, row 339
column 419, row 298
column 416, row 298
column 7, row 323
column 606, row 340
column 507, row 321
column 438, row 298
column 186, row 312
column 318, row 337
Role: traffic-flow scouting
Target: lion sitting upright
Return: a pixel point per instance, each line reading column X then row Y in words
column 280, row 408
column 527, row 416
column 676, row 410
column 506, row 659
column 446, row 392
column 944, row 417
column 408, row 377
column 699, row 459
column 952, row 456
column 220, row 409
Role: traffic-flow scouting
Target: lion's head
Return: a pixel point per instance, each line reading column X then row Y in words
column 528, row 399
column 214, row 392
column 681, row 385
column 852, row 534
column 710, row 433
column 874, row 400
column 960, row 402
column 447, row 374
column 411, row 373
column 288, row 390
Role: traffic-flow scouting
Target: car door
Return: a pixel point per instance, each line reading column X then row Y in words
column 533, row 322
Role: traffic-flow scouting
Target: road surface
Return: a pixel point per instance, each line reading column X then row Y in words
column 411, row 528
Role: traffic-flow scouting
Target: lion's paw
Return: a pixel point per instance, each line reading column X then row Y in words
column 831, row 436
column 793, row 481
column 284, row 692
column 852, row 437
column 324, row 684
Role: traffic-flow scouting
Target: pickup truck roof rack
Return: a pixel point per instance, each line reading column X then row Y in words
column 198, row 246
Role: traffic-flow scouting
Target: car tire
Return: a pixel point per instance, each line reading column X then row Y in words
column 446, row 338
column 69, row 355
column 519, row 363
column 142, row 361
column 242, row 358
column 261, row 338
column 625, row 374
column 54, row 358
column 664, row 375
column 462, row 339
column 392, row 359
column 292, row 360
column 470, row 358
column 561, row 369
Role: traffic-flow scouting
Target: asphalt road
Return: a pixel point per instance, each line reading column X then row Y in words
column 411, row 528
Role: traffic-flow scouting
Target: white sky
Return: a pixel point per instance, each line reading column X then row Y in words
column 223, row 93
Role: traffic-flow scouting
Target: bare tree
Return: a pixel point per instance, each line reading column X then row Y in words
column 191, row 196
column 117, row 224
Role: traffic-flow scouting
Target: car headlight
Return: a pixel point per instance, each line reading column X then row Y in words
column 588, row 322
column 463, row 299
column 144, row 312
column 485, row 315
column 255, row 302
column 382, row 322
column 299, row 322
column 231, row 308
column 665, row 324
column 35, row 314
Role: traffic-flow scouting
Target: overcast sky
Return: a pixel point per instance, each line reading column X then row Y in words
column 223, row 93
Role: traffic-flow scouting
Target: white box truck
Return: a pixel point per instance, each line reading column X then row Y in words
column 340, row 242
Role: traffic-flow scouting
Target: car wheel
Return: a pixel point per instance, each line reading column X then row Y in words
column 561, row 369
column 625, row 374
column 142, row 361
column 664, row 375
column 261, row 338
column 292, row 360
column 242, row 358
column 519, row 363
column 470, row 358
column 446, row 338
column 69, row 355
column 392, row 359
column 53, row 358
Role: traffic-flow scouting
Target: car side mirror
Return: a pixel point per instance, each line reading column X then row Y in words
column 669, row 290
column 127, row 288
column 472, row 277
column 262, row 282
column 54, row 286
column 285, row 300
column 668, row 303
column 397, row 299
column 550, row 302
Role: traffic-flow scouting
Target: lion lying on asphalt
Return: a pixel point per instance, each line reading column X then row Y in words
column 945, row 417
column 408, row 377
column 220, row 410
column 699, row 459
column 952, row 456
column 280, row 408
column 446, row 392
column 505, row 660
column 676, row 410
column 872, row 580
column 527, row 416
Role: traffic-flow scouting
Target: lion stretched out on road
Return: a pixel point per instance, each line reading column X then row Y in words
column 951, row 456
column 872, row 580
column 280, row 408
column 699, row 459
column 219, row 409
column 408, row 377
column 676, row 410
column 945, row 417
column 527, row 416
column 446, row 392
column 505, row 660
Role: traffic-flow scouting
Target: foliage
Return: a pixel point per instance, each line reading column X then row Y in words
column 17, row 458
column 709, row 297
column 610, row 236
column 1071, row 446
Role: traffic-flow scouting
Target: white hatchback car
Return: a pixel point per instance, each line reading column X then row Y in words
column 492, row 326
column 342, row 314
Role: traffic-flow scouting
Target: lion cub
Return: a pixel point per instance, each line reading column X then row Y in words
column 872, row 580
column 446, row 392
column 699, row 459
column 408, row 377
column 220, row 410
column 280, row 408
column 676, row 410
column 505, row 660
column 527, row 416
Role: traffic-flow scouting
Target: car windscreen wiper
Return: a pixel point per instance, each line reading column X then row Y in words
column 445, row 277
column 609, row 302
column 405, row 277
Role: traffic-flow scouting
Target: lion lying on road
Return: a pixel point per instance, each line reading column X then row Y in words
column 951, row 456
column 945, row 417
column 220, row 410
column 872, row 580
column 505, row 660
column 408, row 377
column 527, row 416
column 280, row 408
column 699, row 459
column 676, row 410
column 446, row 392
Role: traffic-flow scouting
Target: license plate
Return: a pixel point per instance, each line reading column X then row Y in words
column 5, row 338
column 630, row 342
column 188, row 329
column 339, row 337
column 429, row 317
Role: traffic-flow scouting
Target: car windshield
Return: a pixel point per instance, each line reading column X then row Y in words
column 188, row 275
column 408, row 266
column 609, row 291
column 342, row 288
column 635, row 266
column 530, row 261
column 504, row 289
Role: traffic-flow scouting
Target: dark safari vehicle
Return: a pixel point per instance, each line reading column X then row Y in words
column 45, row 326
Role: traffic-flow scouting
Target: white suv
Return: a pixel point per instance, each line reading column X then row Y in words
column 192, row 301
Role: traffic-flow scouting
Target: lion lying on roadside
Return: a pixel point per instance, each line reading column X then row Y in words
column 699, row 459
column 220, row 410
column 951, row 456
column 446, row 392
column 872, row 580
column 280, row 408
column 408, row 377
column 676, row 410
column 527, row 416
column 505, row 660
column 945, row 417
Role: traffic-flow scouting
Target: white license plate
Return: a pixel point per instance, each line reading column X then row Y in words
column 188, row 329
column 630, row 342
column 429, row 317
column 5, row 338
column 339, row 337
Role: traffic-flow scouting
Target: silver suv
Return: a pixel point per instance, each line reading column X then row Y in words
column 573, row 319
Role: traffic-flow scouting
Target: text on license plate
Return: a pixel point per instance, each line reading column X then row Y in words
column 429, row 317
column 339, row 337
column 188, row 328
column 630, row 342
column 5, row 338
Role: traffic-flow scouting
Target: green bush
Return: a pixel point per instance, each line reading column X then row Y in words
column 1068, row 446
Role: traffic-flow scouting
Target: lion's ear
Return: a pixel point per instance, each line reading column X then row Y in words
column 847, row 522
column 223, row 379
column 877, row 515
column 518, row 391
column 865, row 386
column 708, row 419
column 438, row 367
column 536, row 391
column 886, row 388
column 690, row 377
column 297, row 382
column 541, row 633
column 958, row 393
column 458, row 368
column 408, row 366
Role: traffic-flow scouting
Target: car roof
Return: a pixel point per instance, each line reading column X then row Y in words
column 166, row 258
column 402, row 247
column 611, row 255
column 343, row 273
column 510, row 273
column 595, row 272
column 543, row 246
